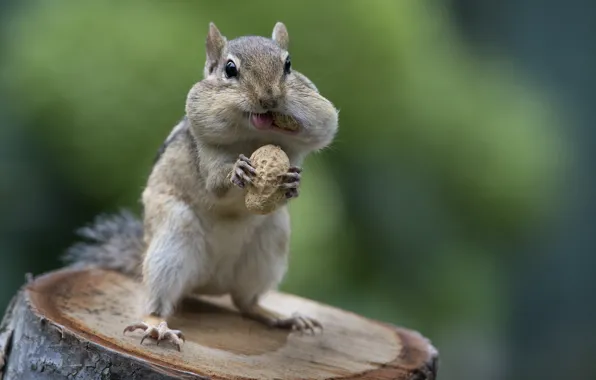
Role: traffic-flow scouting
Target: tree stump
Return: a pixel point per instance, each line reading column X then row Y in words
column 68, row 324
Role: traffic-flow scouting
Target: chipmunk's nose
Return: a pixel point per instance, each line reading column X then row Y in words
column 268, row 99
column 268, row 102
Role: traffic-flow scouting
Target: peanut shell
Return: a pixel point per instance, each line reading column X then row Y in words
column 285, row 121
column 264, row 195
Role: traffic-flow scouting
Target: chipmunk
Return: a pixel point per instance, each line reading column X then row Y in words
column 196, row 236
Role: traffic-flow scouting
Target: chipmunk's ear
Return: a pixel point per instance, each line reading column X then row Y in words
column 214, row 48
column 280, row 35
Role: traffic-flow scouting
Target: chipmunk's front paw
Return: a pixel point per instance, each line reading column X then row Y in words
column 243, row 172
column 291, row 181
column 158, row 333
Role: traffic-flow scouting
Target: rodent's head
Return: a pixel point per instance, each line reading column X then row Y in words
column 246, row 81
column 257, row 66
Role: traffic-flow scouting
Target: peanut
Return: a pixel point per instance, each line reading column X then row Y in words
column 263, row 196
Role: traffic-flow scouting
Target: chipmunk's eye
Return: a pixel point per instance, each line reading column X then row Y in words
column 287, row 65
column 231, row 70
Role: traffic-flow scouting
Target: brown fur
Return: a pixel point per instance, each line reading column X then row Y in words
column 198, row 235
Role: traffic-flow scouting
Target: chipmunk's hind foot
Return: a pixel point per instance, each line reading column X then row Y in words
column 158, row 332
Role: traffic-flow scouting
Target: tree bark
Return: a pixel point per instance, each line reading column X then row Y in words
column 68, row 324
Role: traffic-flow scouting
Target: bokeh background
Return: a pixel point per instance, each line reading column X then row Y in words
column 456, row 200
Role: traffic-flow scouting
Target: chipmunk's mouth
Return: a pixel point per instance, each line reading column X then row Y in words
column 273, row 121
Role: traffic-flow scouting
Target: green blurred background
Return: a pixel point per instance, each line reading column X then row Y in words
column 456, row 200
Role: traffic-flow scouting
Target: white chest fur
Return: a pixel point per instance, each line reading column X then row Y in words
column 226, row 242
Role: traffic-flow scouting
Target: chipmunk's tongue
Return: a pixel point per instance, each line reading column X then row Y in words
column 262, row 120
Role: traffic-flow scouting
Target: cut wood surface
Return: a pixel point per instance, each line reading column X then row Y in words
column 69, row 325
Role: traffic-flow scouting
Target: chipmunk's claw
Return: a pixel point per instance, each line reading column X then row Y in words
column 291, row 182
column 300, row 323
column 297, row 322
column 158, row 333
column 243, row 172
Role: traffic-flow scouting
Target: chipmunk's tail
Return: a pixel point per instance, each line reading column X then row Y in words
column 114, row 242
